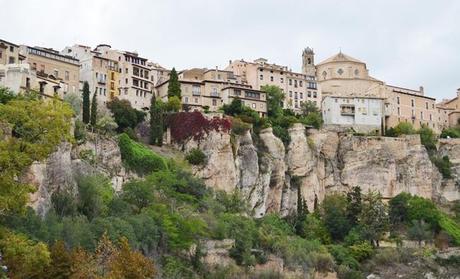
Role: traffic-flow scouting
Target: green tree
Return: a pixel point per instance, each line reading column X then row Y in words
column 125, row 115
column 428, row 138
column 354, row 205
column 6, row 95
column 174, row 104
column 333, row 212
column 93, row 118
column 156, row 121
column 309, row 107
column 75, row 101
column 140, row 194
column 399, row 209
column 275, row 98
column 86, row 103
column 174, row 85
column 420, row 231
column 373, row 218
column 24, row 257
column 95, row 195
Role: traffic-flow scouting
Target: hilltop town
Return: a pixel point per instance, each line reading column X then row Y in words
column 341, row 86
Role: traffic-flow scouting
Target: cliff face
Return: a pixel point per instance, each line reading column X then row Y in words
column 63, row 167
column 269, row 175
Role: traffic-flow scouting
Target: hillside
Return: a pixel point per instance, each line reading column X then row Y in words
column 222, row 200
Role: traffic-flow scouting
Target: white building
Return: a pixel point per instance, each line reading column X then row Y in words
column 362, row 114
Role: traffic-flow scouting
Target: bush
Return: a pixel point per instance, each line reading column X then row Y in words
column 343, row 256
column 404, row 128
column 79, row 131
column 139, row 158
column 95, row 194
column 443, row 164
column 196, row 157
column 239, row 127
column 451, row 133
column 361, row 251
column 428, row 138
column 322, row 262
column 124, row 114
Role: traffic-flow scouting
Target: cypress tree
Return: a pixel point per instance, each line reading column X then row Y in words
column 94, row 110
column 174, row 85
column 156, row 121
column 86, row 104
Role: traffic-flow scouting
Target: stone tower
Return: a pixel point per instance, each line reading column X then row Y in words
column 308, row 62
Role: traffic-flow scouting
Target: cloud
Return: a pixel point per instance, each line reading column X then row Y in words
column 407, row 43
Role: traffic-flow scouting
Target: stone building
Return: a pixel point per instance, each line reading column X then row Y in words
column 297, row 87
column 53, row 67
column 101, row 73
column 210, row 89
column 449, row 111
column 9, row 53
column 345, row 76
column 134, row 76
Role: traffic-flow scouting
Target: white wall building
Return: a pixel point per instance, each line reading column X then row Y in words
column 363, row 114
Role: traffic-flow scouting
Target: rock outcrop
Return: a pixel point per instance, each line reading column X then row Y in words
column 271, row 176
column 63, row 167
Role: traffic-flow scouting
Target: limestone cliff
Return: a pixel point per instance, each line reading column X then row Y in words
column 269, row 175
column 63, row 167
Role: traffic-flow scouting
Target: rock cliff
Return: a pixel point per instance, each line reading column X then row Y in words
column 270, row 175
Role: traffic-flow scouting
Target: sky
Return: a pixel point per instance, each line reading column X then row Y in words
column 407, row 43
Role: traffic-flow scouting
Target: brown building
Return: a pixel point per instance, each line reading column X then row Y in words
column 449, row 111
column 51, row 65
column 204, row 88
column 297, row 87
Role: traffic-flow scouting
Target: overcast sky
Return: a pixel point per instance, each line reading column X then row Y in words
column 404, row 42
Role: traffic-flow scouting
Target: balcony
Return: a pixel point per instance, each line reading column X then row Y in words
column 347, row 110
column 101, row 81
column 196, row 93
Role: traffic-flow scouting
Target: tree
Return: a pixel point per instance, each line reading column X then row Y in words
column 373, row 218
column 95, row 195
column 61, row 261
column 309, row 107
column 74, row 100
column 333, row 211
column 174, row 104
column 420, row 231
column 24, row 257
column 428, row 138
column 275, row 98
column 399, row 209
column 354, row 205
column 127, row 263
column 156, row 121
column 124, row 114
column 86, row 103
column 104, row 255
column 6, row 95
column 83, row 265
column 93, row 118
column 174, row 85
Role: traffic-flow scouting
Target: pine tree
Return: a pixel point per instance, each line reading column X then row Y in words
column 94, row 110
column 174, row 85
column 86, row 103
column 354, row 205
column 156, row 121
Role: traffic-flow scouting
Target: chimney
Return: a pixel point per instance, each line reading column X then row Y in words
column 229, row 61
column 421, row 89
column 458, row 92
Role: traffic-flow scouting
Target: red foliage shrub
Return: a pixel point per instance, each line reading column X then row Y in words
column 185, row 125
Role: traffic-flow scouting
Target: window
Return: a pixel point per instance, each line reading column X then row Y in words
column 290, row 94
column 347, row 109
column 237, row 92
column 421, row 115
column 296, row 95
column 253, row 105
column 196, row 90
column 186, row 100
column 271, row 78
column 309, row 94
column 301, row 95
column 1, row 54
column 214, row 92
column 214, row 102
column 314, row 94
column 282, row 80
column 397, row 100
column 261, row 77
column 11, row 60
column 412, row 102
column 290, row 81
column 426, row 105
column 399, row 111
column 56, row 73
column 66, row 75
column 11, row 48
column 196, row 100
column 300, row 83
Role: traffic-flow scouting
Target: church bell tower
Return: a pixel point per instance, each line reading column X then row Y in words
column 308, row 62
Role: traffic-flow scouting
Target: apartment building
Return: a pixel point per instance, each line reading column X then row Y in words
column 158, row 74
column 205, row 88
column 449, row 111
column 9, row 53
column 134, row 78
column 101, row 73
column 53, row 67
column 344, row 76
column 297, row 87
